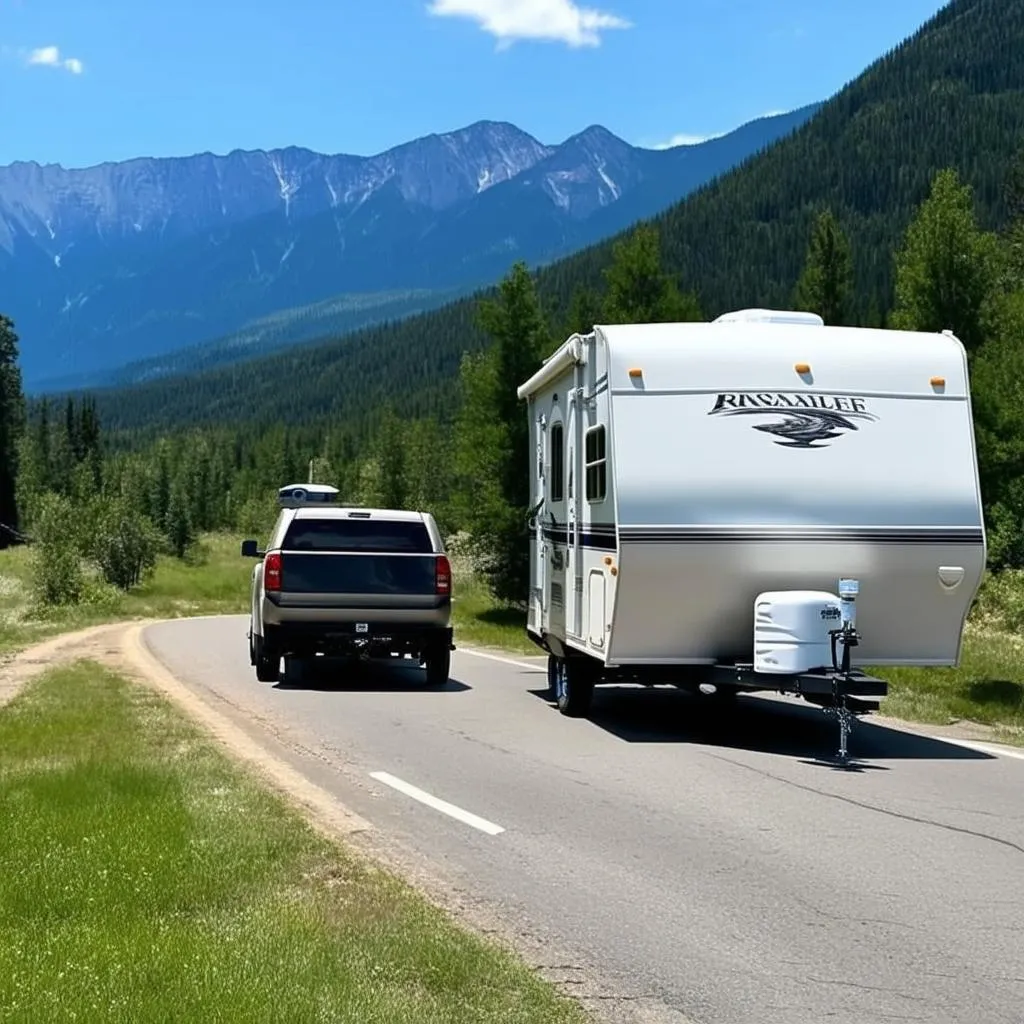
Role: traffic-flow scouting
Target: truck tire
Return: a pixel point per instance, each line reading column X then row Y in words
column 295, row 670
column 268, row 661
column 574, row 681
column 439, row 665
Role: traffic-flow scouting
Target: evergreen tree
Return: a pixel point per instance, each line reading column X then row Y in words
column 947, row 269
column 584, row 312
column 389, row 456
column 178, row 526
column 12, row 412
column 493, row 456
column 639, row 290
column 825, row 286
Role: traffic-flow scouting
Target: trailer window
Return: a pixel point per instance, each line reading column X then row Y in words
column 597, row 464
column 557, row 481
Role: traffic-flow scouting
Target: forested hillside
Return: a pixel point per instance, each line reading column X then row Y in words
column 952, row 95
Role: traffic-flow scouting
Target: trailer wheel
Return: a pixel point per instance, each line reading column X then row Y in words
column 439, row 666
column 553, row 671
column 268, row 661
column 574, row 687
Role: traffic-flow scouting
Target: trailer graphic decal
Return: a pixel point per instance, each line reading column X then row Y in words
column 797, row 420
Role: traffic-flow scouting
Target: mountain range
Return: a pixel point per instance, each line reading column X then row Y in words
column 128, row 262
column 950, row 96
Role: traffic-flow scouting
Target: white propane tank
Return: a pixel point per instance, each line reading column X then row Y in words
column 791, row 630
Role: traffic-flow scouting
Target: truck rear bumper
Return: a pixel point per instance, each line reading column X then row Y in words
column 353, row 637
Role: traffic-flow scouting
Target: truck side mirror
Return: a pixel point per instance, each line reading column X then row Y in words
column 251, row 549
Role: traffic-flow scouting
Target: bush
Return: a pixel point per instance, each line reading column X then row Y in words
column 57, row 574
column 122, row 543
column 999, row 605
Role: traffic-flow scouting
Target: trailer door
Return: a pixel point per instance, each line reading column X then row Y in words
column 555, row 523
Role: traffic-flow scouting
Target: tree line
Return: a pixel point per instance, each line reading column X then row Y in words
column 116, row 506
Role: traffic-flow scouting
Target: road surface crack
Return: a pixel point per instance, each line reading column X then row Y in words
column 901, row 815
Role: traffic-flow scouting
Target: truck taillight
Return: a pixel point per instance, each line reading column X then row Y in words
column 443, row 576
column 272, row 571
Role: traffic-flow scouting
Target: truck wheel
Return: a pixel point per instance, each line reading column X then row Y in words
column 574, row 687
column 294, row 670
column 439, row 666
column 268, row 661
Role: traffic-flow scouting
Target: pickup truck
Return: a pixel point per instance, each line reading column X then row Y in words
column 337, row 581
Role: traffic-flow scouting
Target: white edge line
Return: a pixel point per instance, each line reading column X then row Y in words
column 996, row 749
column 438, row 805
column 499, row 658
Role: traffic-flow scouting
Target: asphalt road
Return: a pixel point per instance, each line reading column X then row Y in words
column 704, row 859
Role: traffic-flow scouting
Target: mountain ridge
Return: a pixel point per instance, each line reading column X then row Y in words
column 127, row 261
column 952, row 95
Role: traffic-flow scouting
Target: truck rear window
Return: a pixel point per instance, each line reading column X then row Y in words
column 405, row 536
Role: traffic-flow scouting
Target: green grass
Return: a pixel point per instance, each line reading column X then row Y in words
column 214, row 580
column 147, row 878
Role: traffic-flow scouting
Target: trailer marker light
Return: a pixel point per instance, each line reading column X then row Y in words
column 802, row 368
column 938, row 382
column 607, row 559
column 636, row 372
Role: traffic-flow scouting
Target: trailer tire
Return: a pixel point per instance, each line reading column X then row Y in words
column 553, row 670
column 439, row 666
column 268, row 661
column 575, row 687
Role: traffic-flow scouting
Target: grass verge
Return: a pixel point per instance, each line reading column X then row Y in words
column 146, row 877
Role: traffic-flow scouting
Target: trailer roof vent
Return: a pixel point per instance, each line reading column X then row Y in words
column 770, row 316
column 303, row 495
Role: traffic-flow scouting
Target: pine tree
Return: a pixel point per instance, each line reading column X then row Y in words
column 948, row 268
column 492, row 455
column 12, row 414
column 389, row 456
column 639, row 290
column 825, row 286
column 584, row 312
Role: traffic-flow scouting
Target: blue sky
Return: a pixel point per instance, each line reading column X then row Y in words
column 83, row 81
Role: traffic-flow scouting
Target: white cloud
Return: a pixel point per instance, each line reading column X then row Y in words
column 562, row 21
column 683, row 139
column 49, row 56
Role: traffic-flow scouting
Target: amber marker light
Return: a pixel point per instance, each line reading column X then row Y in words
column 802, row 368
column 636, row 372
column 938, row 382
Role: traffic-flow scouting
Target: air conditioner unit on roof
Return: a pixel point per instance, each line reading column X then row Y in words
column 300, row 495
column 770, row 316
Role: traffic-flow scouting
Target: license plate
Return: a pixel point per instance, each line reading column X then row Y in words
column 362, row 627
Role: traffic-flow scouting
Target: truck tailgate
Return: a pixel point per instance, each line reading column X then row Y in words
column 322, row 579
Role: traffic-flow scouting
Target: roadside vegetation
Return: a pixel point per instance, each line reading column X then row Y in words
column 146, row 877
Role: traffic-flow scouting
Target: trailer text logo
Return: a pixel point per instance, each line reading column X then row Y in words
column 797, row 420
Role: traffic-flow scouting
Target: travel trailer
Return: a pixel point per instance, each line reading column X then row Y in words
column 757, row 503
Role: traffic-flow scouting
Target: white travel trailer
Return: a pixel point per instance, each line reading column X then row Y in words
column 709, row 498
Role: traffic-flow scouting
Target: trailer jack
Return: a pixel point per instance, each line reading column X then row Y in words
column 847, row 637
